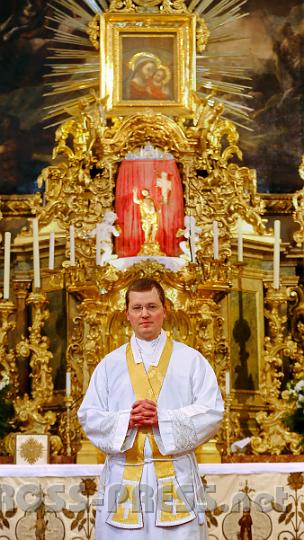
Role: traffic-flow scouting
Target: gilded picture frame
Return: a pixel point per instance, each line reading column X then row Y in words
column 147, row 66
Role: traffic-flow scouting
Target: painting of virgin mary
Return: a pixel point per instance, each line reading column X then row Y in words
column 142, row 66
column 148, row 71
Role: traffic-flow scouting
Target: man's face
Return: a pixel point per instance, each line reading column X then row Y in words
column 146, row 314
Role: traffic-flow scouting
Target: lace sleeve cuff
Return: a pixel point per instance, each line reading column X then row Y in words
column 114, row 432
column 177, row 432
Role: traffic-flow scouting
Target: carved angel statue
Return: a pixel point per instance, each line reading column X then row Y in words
column 107, row 229
column 191, row 232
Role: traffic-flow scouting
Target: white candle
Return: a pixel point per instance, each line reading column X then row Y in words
column 72, row 245
column 227, row 382
column 52, row 251
column 215, row 240
column 68, row 384
column 98, row 238
column 240, row 243
column 276, row 254
column 7, row 262
column 36, row 254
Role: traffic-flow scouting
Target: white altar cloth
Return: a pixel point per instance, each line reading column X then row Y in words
column 58, row 502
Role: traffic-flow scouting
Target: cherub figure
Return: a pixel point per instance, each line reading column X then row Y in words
column 191, row 233
column 107, row 229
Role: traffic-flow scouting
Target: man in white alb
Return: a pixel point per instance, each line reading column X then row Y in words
column 149, row 404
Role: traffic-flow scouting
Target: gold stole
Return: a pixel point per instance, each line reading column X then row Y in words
column 172, row 507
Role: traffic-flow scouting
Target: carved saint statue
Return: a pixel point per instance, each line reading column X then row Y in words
column 148, row 214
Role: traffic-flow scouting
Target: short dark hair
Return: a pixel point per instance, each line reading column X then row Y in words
column 145, row 284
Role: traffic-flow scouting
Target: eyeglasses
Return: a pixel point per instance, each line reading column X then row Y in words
column 151, row 308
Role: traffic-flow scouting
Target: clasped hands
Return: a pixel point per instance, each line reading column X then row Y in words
column 143, row 414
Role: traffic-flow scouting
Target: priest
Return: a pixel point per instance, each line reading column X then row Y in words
column 149, row 404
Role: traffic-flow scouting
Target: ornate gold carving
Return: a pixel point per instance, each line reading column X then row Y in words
column 273, row 435
column 29, row 411
column 202, row 35
column 277, row 203
column 74, row 195
column 227, row 192
column 165, row 6
column 230, row 430
column 36, row 346
column 7, row 357
column 298, row 216
column 193, row 316
column 173, row 6
column 122, row 5
column 274, row 344
column 69, row 429
column 20, row 205
column 79, row 190
column 94, row 31
column 297, row 328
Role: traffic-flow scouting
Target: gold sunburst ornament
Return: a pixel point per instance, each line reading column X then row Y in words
column 75, row 58
column 31, row 450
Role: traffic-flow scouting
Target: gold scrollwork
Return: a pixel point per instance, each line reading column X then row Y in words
column 164, row 6
column 93, row 29
column 202, row 35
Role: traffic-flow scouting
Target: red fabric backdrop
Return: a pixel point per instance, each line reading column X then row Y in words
column 142, row 174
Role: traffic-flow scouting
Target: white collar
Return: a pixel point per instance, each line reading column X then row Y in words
column 159, row 349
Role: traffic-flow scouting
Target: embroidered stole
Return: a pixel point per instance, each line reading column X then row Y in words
column 172, row 507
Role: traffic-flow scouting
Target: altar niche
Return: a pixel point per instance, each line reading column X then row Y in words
column 149, row 206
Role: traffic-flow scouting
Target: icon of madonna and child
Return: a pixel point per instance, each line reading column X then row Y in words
column 149, row 78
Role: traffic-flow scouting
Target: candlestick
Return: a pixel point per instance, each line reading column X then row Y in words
column 276, row 254
column 7, row 260
column 228, row 426
column 98, row 238
column 72, row 245
column 68, row 384
column 68, row 426
column 240, row 243
column 52, row 251
column 191, row 241
column 215, row 240
column 36, row 253
column 227, row 382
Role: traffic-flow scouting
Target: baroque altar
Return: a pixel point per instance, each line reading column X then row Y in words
column 148, row 180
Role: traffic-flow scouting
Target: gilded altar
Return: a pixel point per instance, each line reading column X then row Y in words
column 148, row 180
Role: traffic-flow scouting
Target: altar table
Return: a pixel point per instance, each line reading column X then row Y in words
column 58, row 502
